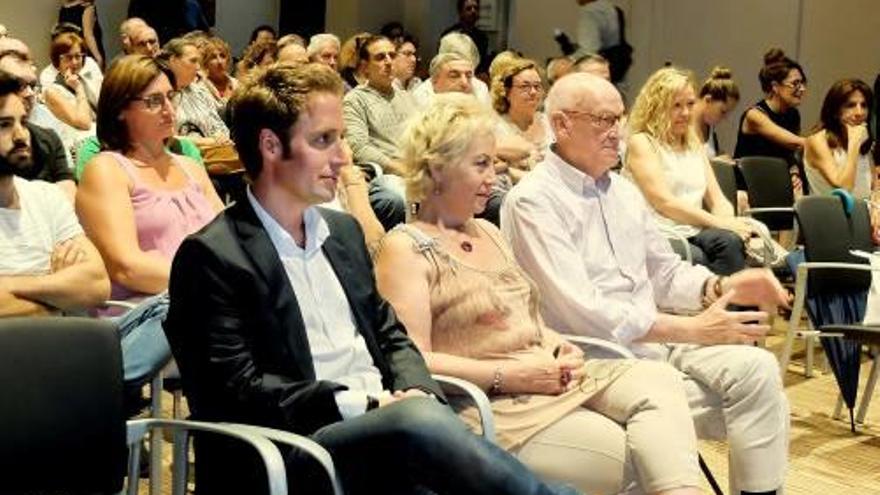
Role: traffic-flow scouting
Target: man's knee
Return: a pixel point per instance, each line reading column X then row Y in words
column 427, row 419
column 757, row 372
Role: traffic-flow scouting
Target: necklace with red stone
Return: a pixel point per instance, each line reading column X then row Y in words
column 466, row 245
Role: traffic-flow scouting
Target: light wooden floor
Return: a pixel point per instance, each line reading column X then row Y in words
column 825, row 458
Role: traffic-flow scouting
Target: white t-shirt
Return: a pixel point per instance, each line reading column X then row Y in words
column 29, row 235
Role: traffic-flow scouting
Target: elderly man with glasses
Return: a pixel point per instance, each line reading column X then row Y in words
column 586, row 237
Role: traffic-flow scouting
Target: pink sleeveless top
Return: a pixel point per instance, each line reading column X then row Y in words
column 163, row 218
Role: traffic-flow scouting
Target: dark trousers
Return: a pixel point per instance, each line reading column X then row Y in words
column 415, row 446
column 720, row 250
column 419, row 444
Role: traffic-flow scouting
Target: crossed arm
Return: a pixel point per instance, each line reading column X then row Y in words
column 77, row 280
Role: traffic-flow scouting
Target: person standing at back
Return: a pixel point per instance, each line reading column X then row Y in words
column 84, row 15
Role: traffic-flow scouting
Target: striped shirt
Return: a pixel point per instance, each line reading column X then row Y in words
column 29, row 234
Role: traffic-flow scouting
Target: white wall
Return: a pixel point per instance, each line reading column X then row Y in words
column 831, row 39
column 33, row 21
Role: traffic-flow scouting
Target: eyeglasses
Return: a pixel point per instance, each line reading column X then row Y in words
column 527, row 87
column 602, row 122
column 378, row 57
column 147, row 42
column 72, row 57
column 796, row 84
column 156, row 101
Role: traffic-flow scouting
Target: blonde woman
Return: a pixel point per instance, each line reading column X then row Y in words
column 667, row 161
column 471, row 310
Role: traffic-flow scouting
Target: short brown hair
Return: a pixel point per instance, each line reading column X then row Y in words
column 126, row 78
column 62, row 44
column 273, row 99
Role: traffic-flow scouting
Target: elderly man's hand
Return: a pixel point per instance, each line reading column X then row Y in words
column 757, row 287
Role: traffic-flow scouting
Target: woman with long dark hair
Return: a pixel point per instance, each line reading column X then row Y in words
column 837, row 154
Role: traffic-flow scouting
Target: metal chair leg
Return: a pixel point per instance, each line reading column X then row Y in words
column 838, row 409
column 156, row 437
column 869, row 390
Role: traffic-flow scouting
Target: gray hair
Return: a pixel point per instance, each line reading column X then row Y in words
column 441, row 59
column 462, row 44
column 318, row 41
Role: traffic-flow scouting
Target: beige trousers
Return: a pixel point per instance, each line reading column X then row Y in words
column 735, row 392
column 634, row 435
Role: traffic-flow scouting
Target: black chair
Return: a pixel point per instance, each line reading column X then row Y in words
column 830, row 271
column 771, row 195
column 63, row 424
column 725, row 174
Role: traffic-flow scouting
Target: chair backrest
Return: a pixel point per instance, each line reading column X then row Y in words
column 62, row 426
column 828, row 235
column 725, row 174
column 769, row 186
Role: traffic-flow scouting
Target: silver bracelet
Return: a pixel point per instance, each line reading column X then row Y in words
column 497, row 381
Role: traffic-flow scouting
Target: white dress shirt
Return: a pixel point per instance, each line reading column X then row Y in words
column 339, row 352
column 594, row 249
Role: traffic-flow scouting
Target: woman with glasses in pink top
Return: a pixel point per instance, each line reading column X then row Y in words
column 137, row 202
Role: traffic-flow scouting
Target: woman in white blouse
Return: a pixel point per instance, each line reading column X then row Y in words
column 837, row 153
column 668, row 162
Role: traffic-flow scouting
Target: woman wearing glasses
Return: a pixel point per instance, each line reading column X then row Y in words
column 772, row 126
column 137, row 202
column 523, row 132
column 668, row 162
column 72, row 97
column 599, row 424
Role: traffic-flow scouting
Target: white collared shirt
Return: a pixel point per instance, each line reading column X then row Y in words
column 339, row 352
column 594, row 249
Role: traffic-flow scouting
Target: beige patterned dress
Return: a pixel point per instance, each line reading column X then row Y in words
column 485, row 314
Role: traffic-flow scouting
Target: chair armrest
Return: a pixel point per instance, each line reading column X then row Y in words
column 584, row 342
column 372, row 170
column 862, row 333
column 768, row 209
column 110, row 303
column 672, row 235
column 137, row 430
column 475, row 394
column 298, row 442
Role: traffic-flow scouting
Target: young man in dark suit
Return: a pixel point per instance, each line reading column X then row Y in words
column 275, row 320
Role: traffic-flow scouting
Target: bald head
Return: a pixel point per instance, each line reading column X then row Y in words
column 576, row 90
column 585, row 112
column 127, row 29
column 15, row 45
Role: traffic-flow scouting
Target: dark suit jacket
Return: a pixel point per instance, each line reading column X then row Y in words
column 237, row 334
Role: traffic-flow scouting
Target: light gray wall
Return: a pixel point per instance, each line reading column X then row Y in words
column 33, row 21
column 831, row 39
